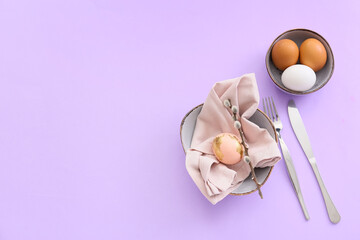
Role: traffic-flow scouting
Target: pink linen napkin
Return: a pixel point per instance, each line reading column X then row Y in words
column 214, row 179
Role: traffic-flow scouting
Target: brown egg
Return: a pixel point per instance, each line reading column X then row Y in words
column 313, row 54
column 284, row 54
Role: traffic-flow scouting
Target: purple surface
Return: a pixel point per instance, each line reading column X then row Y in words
column 91, row 98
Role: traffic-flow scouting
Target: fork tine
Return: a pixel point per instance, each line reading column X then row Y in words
column 271, row 109
column 277, row 115
column 264, row 106
column 268, row 110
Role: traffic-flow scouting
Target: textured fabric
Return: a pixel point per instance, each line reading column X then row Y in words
column 214, row 179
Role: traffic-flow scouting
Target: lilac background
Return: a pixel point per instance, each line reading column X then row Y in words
column 92, row 95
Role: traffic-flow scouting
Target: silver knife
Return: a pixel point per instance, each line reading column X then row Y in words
column 300, row 132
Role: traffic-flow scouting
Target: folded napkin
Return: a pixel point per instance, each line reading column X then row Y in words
column 214, row 179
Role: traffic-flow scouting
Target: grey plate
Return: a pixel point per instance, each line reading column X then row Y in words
column 298, row 36
column 259, row 118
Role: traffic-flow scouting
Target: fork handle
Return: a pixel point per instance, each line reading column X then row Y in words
column 292, row 174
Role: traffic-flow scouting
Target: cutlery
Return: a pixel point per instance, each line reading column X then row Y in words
column 270, row 110
column 302, row 136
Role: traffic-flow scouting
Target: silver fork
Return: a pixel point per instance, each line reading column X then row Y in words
column 270, row 110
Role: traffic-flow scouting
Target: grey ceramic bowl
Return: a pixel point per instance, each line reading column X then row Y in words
column 259, row 118
column 298, row 36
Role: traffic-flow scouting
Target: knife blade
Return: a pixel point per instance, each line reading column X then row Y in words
column 303, row 138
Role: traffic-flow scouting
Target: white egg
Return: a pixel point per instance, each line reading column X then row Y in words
column 298, row 77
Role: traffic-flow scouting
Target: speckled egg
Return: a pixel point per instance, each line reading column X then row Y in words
column 313, row 54
column 284, row 54
column 228, row 148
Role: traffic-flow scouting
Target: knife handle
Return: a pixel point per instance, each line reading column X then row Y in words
column 292, row 174
column 330, row 207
